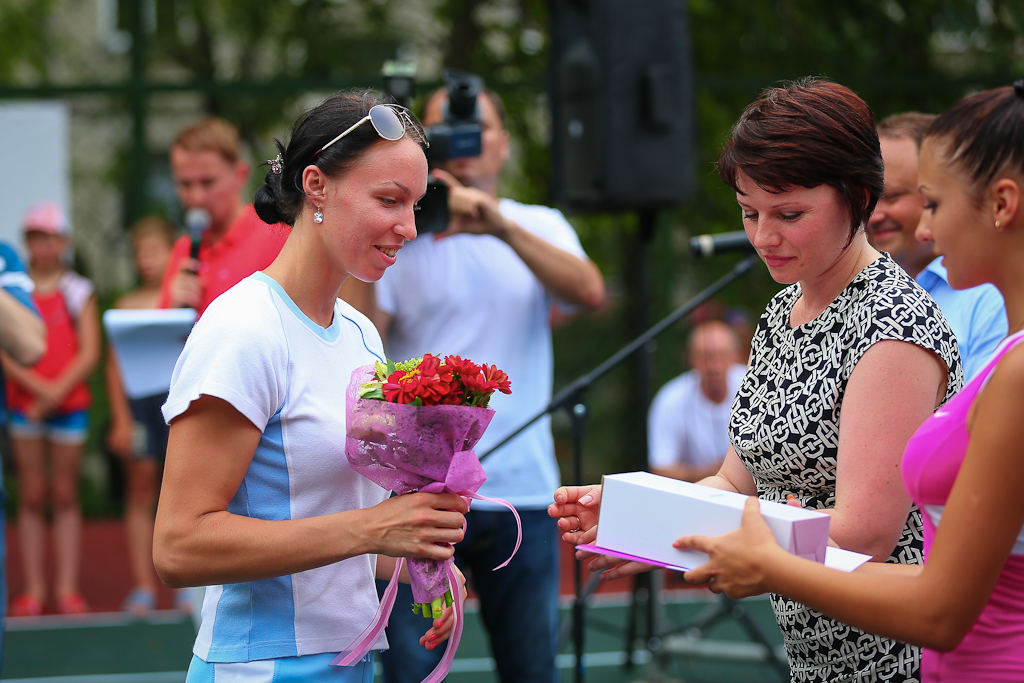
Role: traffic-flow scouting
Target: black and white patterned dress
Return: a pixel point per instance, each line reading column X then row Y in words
column 785, row 429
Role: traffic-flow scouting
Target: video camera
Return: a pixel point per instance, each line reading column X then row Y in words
column 456, row 137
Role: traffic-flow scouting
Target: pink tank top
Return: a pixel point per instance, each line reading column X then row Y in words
column 993, row 649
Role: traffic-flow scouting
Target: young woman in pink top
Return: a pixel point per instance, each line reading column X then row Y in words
column 965, row 466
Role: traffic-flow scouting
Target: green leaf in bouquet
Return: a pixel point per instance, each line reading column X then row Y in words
column 382, row 371
column 372, row 390
column 391, row 368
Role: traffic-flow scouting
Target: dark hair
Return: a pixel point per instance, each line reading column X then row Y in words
column 280, row 199
column 983, row 135
column 808, row 133
column 908, row 124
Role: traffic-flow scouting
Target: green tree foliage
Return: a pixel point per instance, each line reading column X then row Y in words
column 24, row 41
column 897, row 54
column 314, row 41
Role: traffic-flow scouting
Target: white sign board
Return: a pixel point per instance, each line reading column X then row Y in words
column 34, row 162
column 147, row 344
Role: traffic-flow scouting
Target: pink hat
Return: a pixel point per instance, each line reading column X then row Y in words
column 46, row 216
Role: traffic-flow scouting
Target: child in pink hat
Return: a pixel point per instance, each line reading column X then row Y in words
column 49, row 413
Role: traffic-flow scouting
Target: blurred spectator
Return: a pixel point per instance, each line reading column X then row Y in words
column 209, row 174
column 49, row 413
column 688, row 424
column 491, row 277
column 976, row 315
column 22, row 332
column 138, row 433
column 23, row 336
column 742, row 323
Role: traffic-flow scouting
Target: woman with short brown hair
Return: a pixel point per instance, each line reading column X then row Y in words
column 845, row 364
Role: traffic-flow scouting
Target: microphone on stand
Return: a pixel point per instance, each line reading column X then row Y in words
column 702, row 246
column 197, row 221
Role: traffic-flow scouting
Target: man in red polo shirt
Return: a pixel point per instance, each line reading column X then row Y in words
column 210, row 174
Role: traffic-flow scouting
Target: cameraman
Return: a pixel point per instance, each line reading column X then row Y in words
column 482, row 289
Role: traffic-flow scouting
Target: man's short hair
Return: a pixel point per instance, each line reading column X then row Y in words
column 153, row 226
column 211, row 134
column 909, row 124
column 715, row 324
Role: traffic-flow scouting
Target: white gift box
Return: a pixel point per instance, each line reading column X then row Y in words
column 642, row 514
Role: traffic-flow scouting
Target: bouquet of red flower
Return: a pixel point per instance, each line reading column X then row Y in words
column 412, row 427
column 427, row 381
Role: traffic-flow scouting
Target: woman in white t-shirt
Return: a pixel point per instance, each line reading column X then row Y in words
column 258, row 501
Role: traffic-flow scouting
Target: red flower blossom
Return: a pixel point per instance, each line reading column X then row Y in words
column 456, row 381
column 430, row 382
column 476, row 383
column 454, row 398
column 398, row 391
column 461, row 367
column 496, row 379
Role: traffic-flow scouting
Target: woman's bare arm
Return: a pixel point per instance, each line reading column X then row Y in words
column 732, row 476
column 933, row 606
column 891, row 392
column 198, row 542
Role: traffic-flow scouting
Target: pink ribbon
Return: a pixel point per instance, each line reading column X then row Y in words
column 519, row 523
column 458, row 617
column 368, row 638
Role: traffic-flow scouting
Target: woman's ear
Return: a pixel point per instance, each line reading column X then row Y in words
column 314, row 182
column 1006, row 202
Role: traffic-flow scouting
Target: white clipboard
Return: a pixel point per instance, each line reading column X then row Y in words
column 147, row 343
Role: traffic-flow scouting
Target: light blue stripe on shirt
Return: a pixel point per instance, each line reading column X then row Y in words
column 307, row 669
column 255, row 617
column 328, row 334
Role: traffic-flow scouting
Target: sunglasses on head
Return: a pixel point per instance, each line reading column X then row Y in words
column 389, row 120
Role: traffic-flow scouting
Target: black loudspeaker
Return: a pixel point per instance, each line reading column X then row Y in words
column 621, row 89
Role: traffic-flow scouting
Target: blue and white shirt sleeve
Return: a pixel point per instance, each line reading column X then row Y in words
column 13, row 277
column 235, row 353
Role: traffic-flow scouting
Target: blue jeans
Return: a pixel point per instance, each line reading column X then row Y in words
column 519, row 603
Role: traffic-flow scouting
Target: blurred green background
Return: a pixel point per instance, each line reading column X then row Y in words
column 259, row 62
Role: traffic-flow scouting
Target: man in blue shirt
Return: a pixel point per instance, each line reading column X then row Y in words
column 977, row 316
column 23, row 338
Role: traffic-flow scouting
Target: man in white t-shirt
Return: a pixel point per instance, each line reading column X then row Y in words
column 483, row 290
column 688, row 423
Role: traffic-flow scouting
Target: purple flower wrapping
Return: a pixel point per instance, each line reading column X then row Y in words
column 407, row 448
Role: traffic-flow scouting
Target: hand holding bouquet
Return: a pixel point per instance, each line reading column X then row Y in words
column 412, row 427
column 427, row 381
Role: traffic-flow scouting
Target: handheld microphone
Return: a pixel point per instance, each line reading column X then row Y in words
column 703, row 246
column 196, row 222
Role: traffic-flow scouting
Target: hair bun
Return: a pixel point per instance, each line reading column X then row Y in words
column 267, row 200
column 1018, row 87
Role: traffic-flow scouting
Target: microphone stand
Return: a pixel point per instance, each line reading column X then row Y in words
column 572, row 399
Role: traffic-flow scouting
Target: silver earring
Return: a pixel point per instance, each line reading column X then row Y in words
column 318, row 217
